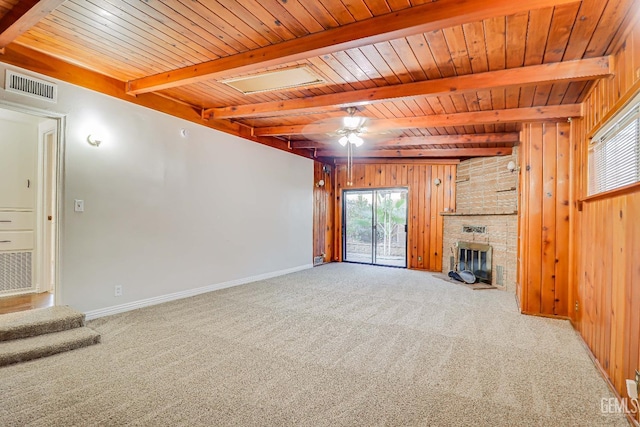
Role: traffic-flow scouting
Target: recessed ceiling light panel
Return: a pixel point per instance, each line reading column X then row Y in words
column 275, row 80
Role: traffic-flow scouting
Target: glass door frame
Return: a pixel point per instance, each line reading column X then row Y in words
column 374, row 245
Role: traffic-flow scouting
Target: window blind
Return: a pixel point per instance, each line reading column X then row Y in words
column 614, row 153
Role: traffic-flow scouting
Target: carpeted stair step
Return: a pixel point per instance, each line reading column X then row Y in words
column 24, row 349
column 30, row 323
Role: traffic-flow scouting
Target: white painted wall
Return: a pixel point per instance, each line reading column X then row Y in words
column 165, row 215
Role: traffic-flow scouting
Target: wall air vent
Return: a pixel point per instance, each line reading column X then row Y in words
column 275, row 80
column 15, row 272
column 30, row 86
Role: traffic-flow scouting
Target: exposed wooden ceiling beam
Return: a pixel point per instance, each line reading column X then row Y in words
column 514, row 115
column 437, row 152
column 578, row 70
column 391, row 161
column 423, row 18
column 468, row 139
column 24, row 15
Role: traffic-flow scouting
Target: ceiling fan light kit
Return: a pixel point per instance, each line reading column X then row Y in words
column 352, row 122
column 352, row 126
column 352, row 138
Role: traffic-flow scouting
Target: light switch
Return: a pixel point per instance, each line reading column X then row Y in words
column 78, row 205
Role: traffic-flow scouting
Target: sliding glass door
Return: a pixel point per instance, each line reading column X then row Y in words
column 375, row 226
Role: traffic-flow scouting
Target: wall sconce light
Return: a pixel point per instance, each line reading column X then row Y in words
column 320, row 183
column 511, row 166
column 94, row 140
column 437, row 181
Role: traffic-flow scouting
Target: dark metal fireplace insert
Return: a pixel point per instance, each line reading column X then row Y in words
column 475, row 257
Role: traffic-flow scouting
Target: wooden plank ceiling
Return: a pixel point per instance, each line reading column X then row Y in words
column 452, row 78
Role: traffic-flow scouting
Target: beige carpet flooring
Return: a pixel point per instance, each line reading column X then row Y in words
column 339, row 345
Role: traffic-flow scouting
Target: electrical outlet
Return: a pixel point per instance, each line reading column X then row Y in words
column 419, row 258
column 78, row 205
column 118, row 290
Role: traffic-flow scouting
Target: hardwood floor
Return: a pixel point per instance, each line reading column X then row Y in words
column 25, row 302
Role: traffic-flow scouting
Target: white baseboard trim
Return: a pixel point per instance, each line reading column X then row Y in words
column 94, row 314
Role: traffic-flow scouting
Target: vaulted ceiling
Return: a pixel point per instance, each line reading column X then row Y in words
column 449, row 78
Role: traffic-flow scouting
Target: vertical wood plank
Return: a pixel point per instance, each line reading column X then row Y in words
column 337, row 240
column 547, row 274
column 595, row 289
column 452, row 187
column 534, row 227
column 424, row 212
column 439, row 221
column 523, row 215
column 607, row 260
column 433, row 212
column 563, row 236
column 377, row 176
column 619, row 281
column 574, row 220
column 413, row 177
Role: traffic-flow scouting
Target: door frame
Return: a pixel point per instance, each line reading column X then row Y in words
column 58, row 206
column 374, row 201
column 45, row 228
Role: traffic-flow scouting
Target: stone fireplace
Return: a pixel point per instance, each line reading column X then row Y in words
column 486, row 215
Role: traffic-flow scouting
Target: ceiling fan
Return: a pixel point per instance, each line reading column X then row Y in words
column 350, row 131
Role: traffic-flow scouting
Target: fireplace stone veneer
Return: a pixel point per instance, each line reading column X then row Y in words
column 486, row 213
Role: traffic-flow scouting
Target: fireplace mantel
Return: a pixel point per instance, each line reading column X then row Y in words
column 477, row 214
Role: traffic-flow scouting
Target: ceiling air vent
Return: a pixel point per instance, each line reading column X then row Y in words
column 275, row 80
column 30, row 86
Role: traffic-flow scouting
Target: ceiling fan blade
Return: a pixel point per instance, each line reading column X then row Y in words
column 335, row 123
column 339, row 130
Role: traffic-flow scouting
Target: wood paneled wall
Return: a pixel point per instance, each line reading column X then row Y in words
column 426, row 201
column 543, row 250
column 323, row 211
column 608, row 289
column 605, row 272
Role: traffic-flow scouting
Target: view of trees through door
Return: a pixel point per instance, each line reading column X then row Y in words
column 375, row 227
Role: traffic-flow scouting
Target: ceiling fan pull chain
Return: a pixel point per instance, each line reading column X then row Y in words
column 349, row 165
